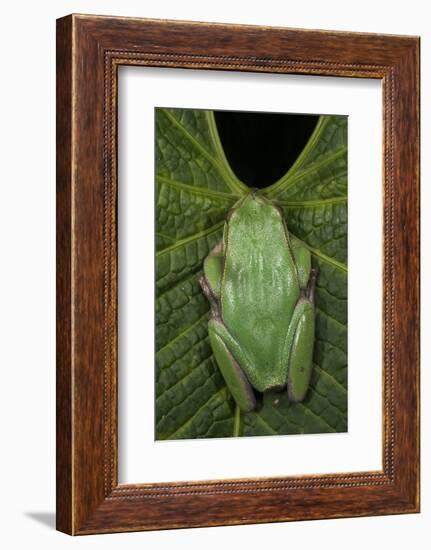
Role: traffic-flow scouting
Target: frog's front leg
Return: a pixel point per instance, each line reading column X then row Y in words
column 211, row 280
column 300, row 340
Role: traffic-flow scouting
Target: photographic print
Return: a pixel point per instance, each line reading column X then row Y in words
column 251, row 271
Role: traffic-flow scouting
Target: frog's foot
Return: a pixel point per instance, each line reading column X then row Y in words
column 214, row 303
column 311, row 287
column 235, row 378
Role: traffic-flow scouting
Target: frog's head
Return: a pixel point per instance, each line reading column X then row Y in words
column 254, row 194
column 254, row 210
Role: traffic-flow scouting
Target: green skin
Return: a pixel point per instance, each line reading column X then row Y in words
column 260, row 285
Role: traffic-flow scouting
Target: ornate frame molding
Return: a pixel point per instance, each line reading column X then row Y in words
column 90, row 49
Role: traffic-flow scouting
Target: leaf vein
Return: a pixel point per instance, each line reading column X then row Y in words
column 187, row 422
column 190, row 239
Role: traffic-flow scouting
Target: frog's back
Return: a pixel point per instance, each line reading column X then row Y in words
column 260, row 288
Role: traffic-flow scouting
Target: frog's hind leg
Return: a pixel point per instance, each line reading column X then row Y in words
column 224, row 348
column 302, row 261
column 301, row 353
column 301, row 342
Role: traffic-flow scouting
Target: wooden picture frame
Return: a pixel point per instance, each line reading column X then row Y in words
column 89, row 52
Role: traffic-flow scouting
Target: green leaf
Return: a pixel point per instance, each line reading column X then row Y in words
column 195, row 188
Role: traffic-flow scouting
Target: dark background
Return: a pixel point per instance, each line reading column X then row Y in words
column 261, row 147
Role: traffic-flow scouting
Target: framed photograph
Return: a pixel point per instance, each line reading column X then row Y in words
column 237, row 274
